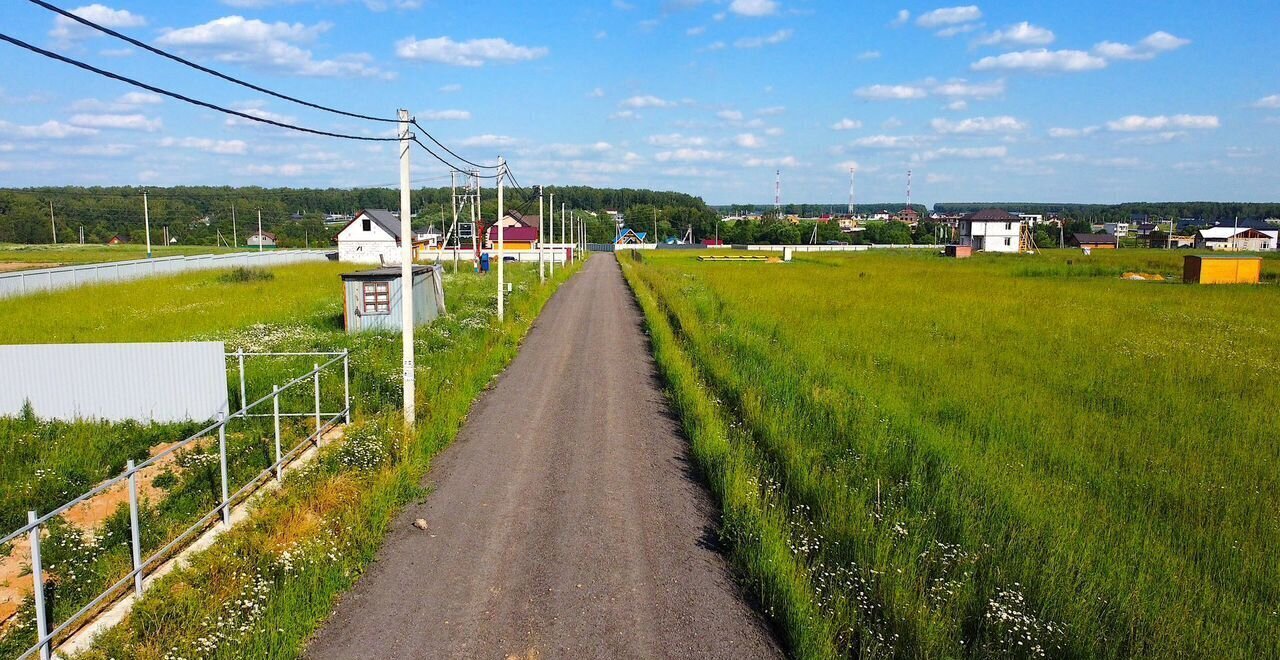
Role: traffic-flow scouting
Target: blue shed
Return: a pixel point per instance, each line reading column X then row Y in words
column 372, row 298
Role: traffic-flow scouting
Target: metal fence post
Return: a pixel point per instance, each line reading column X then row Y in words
column 346, row 382
column 317, row 386
column 135, row 530
column 243, row 400
column 37, row 575
column 275, row 410
column 222, row 461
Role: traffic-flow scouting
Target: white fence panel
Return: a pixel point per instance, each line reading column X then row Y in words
column 162, row 382
column 23, row 282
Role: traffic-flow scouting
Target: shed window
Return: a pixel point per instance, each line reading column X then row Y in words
column 377, row 298
column 366, row 225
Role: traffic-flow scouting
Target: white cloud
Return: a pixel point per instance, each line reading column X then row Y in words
column 54, row 130
column 753, row 7
column 1153, row 45
column 949, row 16
column 772, row 111
column 770, row 40
column 713, row 46
column 624, row 115
column 1072, row 132
column 228, row 147
column 1163, row 137
column 964, row 89
column 901, row 19
column 846, row 124
column 1041, row 60
column 66, row 30
column 123, row 103
column 675, row 140
column 785, row 161
column 954, row 30
column 288, row 169
column 890, row 142
column 596, row 93
column 255, row 111
column 964, row 153
column 748, row 141
column 730, row 115
column 98, row 150
column 1268, row 103
column 646, row 101
column 690, row 156
column 868, row 55
column 891, row 92
column 1161, row 123
column 488, row 140
column 695, row 31
column 1022, row 34
column 274, row 46
column 958, row 105
column 979, row 125
column 445, row 115
column 473, row 53
column 451, row 88
column 131, row 122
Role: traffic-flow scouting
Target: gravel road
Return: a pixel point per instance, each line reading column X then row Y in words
column 566, row 521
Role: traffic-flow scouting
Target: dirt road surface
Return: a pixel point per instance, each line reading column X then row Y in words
column 567, row 520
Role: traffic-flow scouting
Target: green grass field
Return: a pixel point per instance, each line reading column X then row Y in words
column 345, row 499
column 22, row 256
column 996, row 457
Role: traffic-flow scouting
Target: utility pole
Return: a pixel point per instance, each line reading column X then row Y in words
column 542, row 274
column 502, row 282
column 551, row 229
column 566, row 261
column 655, row 225
column 146, row 220
column 53, row 224
column 235, row 240
column 82, row 234
column 259, row 230
column 406, row 275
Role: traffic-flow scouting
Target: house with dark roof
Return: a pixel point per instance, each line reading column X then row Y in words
column 372, row 237
column 261, row 239
column 1094, row 241
column 519, row 232
column 991, row 230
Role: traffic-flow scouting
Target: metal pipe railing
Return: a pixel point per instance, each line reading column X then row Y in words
column 323, row 422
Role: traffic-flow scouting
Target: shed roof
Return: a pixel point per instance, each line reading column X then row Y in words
column 387, row 273
column 992, row 215
column 1095, row 239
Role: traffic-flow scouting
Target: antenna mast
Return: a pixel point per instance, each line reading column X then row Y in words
column 777, row 191
column 850, row 192
column 908, row 188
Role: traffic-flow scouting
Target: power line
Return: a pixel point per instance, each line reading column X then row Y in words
column 448, row 164
column 198, row 67
column 188, row 99
column 451, row 151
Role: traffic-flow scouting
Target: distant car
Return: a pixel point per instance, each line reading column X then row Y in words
column 835, row 242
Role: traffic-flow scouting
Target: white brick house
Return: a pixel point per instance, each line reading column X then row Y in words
column 991, row 230
column 372, row 237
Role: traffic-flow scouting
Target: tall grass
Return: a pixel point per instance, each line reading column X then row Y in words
column 986, row 458
column 338, row 506
column 65, row 255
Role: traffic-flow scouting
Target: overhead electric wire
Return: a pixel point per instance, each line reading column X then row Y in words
column 451, row 151
column 451, row 165
column 232, row 79
column 204, row 104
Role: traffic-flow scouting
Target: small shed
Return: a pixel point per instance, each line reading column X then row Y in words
column 1198, row 269
column 959, row 251
column 117, row 240
column 1095, row 241
column 372, row 298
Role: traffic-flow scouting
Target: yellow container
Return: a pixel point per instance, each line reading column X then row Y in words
column 1221, row 270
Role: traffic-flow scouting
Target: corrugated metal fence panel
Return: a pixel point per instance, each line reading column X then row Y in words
column 163, row 382
column 48, row 279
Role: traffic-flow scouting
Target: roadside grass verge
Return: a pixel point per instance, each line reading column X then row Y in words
column 956, row 460
column 362, row 479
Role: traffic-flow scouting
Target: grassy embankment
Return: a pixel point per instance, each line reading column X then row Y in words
column 14, row 256
column 1000, row 457
column 279, row 560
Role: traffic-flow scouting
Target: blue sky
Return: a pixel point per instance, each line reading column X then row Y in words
column 1085, row 101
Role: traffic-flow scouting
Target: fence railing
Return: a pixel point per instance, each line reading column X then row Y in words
column 23, row 282
column 47, row 631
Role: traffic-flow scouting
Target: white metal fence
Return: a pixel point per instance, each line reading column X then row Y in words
column 47, row 631
column 23, row 282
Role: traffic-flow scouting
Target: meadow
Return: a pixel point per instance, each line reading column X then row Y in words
column 306, row 542
column 1007, row 456
column 15, row 256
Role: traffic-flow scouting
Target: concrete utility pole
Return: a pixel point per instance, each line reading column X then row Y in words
column 502, row 282
column 542, row 274
column 259, row 230
column 53, row 224
column 406, row 275
column 146, row 220
column 566, row 261
column 235, row 240
column 551, row 229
